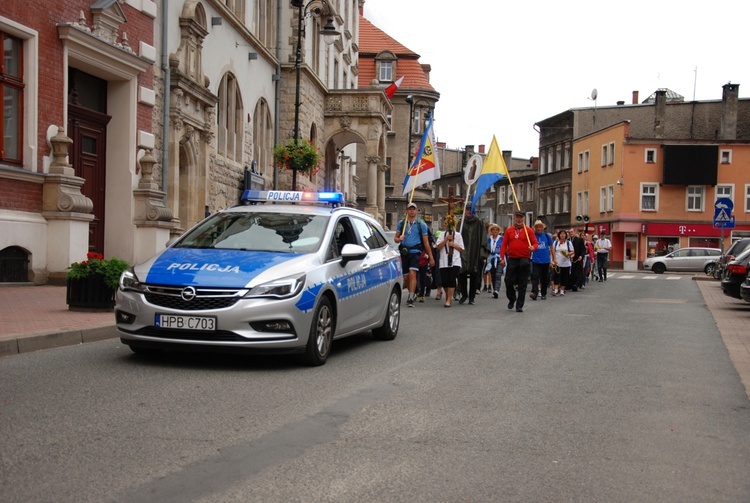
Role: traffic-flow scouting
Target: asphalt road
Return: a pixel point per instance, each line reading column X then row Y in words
column 624, row 392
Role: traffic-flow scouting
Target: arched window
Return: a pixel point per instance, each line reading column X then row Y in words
column 229, row 119
column 262, row 135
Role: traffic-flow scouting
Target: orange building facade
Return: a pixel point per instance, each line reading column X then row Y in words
column 620, row 185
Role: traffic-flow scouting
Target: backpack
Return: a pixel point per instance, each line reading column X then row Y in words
column 422, row 225
column 570, row 246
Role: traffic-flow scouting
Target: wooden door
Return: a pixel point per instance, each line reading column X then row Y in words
column 88, row 130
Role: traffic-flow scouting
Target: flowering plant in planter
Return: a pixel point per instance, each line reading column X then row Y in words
column 299, row 154
column 110, row 269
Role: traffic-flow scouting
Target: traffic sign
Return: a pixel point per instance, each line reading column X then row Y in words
column 723, row 218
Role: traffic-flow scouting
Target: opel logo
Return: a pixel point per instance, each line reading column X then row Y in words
column 188, row 294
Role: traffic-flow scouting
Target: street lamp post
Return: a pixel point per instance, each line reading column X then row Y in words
column 329, row 33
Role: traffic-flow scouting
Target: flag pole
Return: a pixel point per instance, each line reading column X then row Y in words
column 518, row 206
column 461, row 228
column 413, row 189
column 418, row 163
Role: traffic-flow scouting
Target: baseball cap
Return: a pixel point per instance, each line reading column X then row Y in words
column 411, row 205
column 594, row 237
column 520, row 213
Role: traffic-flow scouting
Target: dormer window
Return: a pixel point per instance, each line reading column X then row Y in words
column 386, row 71
column 385, row 64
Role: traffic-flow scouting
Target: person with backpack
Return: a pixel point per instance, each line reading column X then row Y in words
column 424, row 281
column 451, row 246
column 540, row 262
column 564, row 256
column 411, row 236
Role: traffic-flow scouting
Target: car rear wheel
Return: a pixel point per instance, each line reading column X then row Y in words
column 389, row 329
column 710, row 268
column 321, row 334
column 659, row 268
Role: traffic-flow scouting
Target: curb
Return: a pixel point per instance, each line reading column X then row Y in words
column 56, row 339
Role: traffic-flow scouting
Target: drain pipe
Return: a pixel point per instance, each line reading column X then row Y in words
column 167, row 92
column 277, row 90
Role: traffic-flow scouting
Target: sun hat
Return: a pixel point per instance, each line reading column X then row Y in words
column 493, row 225
column 538, row 222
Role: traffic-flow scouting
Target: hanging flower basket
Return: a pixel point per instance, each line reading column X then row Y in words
column 301, row 155
column 91, row 284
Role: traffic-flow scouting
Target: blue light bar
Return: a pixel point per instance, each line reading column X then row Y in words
column 292, row 196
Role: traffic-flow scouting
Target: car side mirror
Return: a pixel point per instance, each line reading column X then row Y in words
column 352, row 252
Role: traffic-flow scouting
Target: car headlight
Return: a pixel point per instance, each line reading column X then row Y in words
column 281, row 288
column 129, row 281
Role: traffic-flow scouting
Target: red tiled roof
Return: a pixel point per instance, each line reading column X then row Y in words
column 373, row 41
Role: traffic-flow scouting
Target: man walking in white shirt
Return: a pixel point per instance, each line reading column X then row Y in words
column 602, row 245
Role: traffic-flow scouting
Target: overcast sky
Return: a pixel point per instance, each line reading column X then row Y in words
column 502, row 66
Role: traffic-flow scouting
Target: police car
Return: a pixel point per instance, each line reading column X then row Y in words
column 286, row 272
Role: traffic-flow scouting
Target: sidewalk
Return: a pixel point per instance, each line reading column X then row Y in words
column 37, row 317
column 732, row 318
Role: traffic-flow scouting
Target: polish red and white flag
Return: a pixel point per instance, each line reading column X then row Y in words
column 391, row 89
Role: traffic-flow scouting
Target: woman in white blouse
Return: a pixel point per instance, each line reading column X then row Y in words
column 561, row 263
column 452, row 245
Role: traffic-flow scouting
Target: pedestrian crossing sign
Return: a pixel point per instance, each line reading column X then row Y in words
column 723, row 218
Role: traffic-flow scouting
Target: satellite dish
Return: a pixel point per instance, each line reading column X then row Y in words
column 594, row 94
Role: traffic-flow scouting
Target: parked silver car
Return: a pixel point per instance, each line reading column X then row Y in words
column 684, row 260
column 266, row 277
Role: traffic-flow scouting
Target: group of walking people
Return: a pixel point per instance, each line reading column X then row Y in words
column 570, row 259
column 479, row 256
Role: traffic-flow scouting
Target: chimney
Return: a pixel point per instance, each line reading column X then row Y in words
column 635, row 97
column 426, row 68
column 469, row 150
column 620, row 103
column 481, row 149
column 728, row 129
column 507, row 157
column 660, row 112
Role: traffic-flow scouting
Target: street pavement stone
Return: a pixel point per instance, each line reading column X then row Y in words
column 37, row 317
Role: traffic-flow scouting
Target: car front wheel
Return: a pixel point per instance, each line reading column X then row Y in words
column 659, row 268
column 321, row 334
column 389, row 329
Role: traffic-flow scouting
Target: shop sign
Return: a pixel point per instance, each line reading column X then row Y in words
column 668, row 229
column 601, row 228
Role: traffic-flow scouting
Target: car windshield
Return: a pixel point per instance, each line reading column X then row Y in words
column 258, row 231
